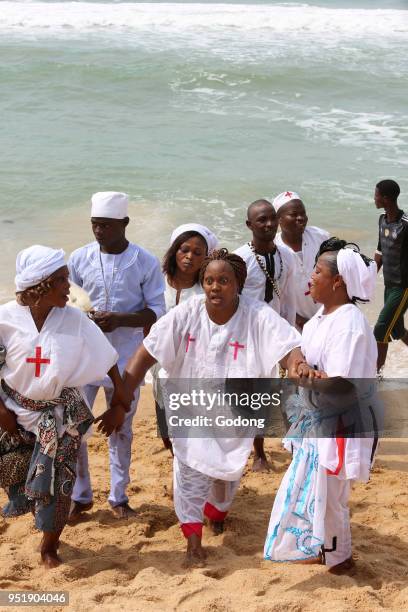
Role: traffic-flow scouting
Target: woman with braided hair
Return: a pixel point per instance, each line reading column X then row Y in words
column 310, row 514
column 218, row 335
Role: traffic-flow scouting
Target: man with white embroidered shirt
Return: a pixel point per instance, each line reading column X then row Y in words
column 126, row 288
column 270, row 278
column 304, row 242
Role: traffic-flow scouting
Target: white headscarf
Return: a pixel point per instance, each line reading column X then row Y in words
column 359, row 279
column 110, row 205
column 209, row 237
column 285, row 197
column 35, row 264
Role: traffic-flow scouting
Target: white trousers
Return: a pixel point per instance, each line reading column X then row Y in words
column 337, row 532
column 196, row 494
column 120, row 450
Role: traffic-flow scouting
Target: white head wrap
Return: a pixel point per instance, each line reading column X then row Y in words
column 35, row 264
column 209, row 237
column 285, row 197
column 359, row 279
column 110, row 205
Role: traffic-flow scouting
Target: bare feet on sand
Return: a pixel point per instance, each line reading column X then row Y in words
column 313, row 561
column 345, row 567
column 217, row 527
column 196, row 554
column 49, row 548
column 261, row 464
column 50, row 559
column 124, row 511
column 77, row 511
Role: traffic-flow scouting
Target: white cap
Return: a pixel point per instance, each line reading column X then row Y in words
column 35, row 264
column 110, row 205
column 285, row 197
column 209, row 237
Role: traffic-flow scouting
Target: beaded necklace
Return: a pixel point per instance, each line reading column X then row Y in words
column 261, row 264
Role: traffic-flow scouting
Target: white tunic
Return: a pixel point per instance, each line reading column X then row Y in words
column 69, row 351
column 305, row 262
column 256, row 280
column 264, row 339
column 342, row 344
column 170, row 294
column 127, row 282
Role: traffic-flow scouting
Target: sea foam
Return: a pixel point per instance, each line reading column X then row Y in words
column 67, row 18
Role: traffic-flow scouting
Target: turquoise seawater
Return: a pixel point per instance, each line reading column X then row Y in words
column 196, row 109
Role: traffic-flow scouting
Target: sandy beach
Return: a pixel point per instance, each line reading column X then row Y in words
column 137, row 564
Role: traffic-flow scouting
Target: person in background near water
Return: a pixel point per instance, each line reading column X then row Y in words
column 392, row 256
column 271, row 278
column 52, row 350
column 126, row 287
column 190, row 243
column 304, row 241
column 221, row 334
column 310, row 510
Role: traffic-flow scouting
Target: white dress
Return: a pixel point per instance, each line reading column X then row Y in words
column 310, row 509
column 305, row 262
column 187, row 344
column 285, row 266
column 69, row 351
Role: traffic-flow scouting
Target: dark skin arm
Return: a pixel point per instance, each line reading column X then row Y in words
column 297, row 367
column 109, row 321
column 378, row 261
column 136, row 369
column 8, row 419
column 112, row 419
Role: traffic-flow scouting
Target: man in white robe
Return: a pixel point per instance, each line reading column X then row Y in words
column 126, row 288
column 271, row 278
column 303, row 241
column 266, row 261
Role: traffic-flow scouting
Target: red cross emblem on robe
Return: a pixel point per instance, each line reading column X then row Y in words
column 38, row 360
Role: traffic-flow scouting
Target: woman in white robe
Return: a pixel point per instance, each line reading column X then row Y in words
column 52, row 350
column 310, row 513
column 190, row 243
column 215, row 336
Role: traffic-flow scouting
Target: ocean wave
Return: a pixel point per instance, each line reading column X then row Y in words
column 69, row 18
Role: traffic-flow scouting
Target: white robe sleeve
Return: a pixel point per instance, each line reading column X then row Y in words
column 73, row 274
column 288, row 290
column 153, row 287
column 345, row 355
column 276, row 339
column 98, row 355
column 165, row 336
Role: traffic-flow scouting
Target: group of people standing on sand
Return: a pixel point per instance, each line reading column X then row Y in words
column 286, row 300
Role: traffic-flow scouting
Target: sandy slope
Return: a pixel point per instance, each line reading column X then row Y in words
column 137, row 565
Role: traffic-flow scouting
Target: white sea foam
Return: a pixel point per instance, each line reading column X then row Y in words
column 68, row 18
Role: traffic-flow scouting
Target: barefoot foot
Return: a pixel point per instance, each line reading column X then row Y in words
column 77, row 511
column 124, row 511
column 50, row 559
column 345, row 567
column 195, row 555
column 217, row 527
column 261, row 464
